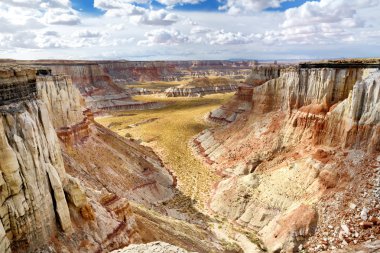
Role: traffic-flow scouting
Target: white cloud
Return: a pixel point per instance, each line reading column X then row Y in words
column 325, row 28
column 116, row 4
column 234, row 7
column 87, row 34
column 323, row 22
column 178, row 2
column 229, row 38
column 200, row 30
column 327, row 12
column 61, row 17
column 51, row 33
column 159, row 17
column 23, row 12
column 137, row 15
column 163, row 37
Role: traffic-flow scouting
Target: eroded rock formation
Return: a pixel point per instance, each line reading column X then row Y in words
column 202, row 86
column 292, row 149
column 33, row 175
column 41, row 204
column 262, row 74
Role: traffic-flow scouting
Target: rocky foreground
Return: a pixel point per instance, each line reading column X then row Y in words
column 153, row 247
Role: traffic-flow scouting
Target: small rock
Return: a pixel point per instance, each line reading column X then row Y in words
column 352, row 206
column 330, row 227
column 366, row 224
column 345, row 229
column 375, row 220
column 364, row 214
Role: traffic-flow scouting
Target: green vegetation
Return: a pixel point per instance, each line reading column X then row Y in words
column 170, row 133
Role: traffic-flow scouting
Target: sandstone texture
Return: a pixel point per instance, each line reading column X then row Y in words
column 294, row 148
column 262, row 74
column 33, row 175
column 42, row 207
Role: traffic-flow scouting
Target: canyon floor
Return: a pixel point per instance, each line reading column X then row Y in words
column 169, row 131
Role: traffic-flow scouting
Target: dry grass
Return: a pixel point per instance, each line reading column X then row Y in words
column 170, row 134
column 158, row 85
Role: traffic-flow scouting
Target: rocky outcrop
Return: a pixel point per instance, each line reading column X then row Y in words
column 317, row 96
column 198, row 91
column 153, row 247
column 33, row 177
column 16, row 84
column 41, row 206
column 64, row 102
column 263, row 73
column 88, row 77
column 290, row 150
column 202, row 86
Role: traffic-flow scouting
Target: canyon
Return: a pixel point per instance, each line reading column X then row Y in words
column 288, row 160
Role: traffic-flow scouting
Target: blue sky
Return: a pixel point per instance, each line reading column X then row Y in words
column 189, row 29
column 87, row 6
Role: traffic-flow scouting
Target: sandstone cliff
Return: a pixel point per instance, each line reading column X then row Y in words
column 262, row 74
column 202, row 86
column 41, row 205
column 294, row 148
column 33, row 175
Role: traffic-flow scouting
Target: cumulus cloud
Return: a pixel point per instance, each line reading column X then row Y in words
column 51, row 33
column 323, row 22
column 87, row 34
column 234, row 7
column 138, row 15
column 61, row 17
column 117, row 8
column 163, row 37
column 159, row 17
column 327, row 12
column 229, row 38
column 200, row 30
column 178, row 2
column 116, row 4
column 57, row 12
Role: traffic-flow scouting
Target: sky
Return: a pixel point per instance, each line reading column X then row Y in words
column 189, row 29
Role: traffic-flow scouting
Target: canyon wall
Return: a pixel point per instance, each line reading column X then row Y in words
column 295, row 147
column 89, row 78
column 130, row 72
column 33, row 176
column 198, row 91
column 262, row 74
column 41, row 205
